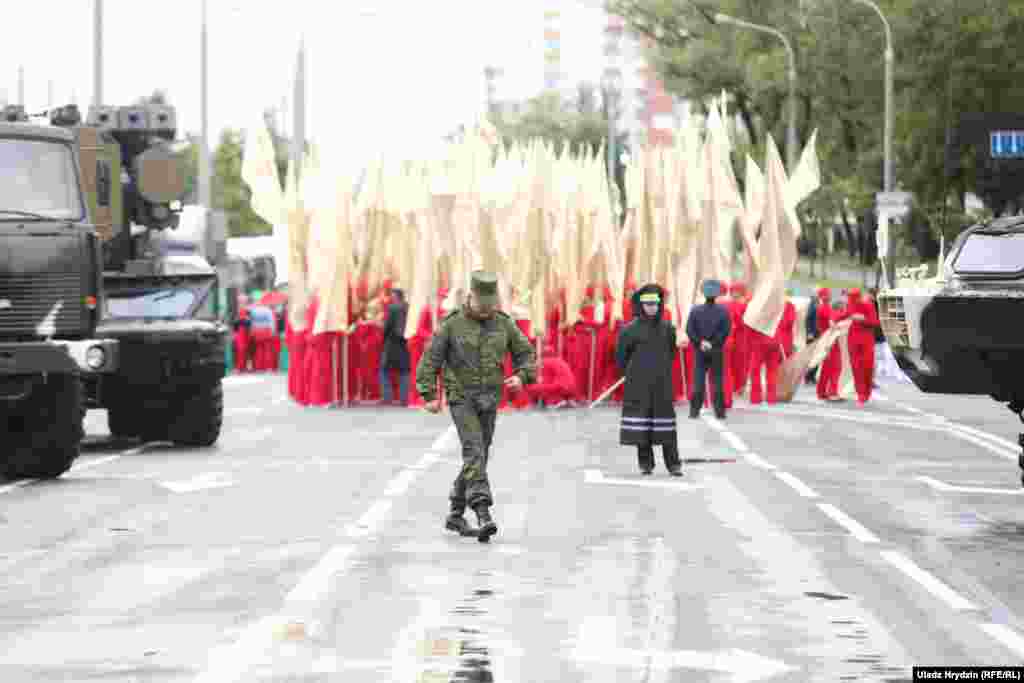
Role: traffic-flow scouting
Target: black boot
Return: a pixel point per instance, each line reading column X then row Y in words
column 457, row 523
column 487, row 526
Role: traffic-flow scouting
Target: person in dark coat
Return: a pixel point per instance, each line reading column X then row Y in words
column 708, row 328
column 644, row 352
column 394, row 352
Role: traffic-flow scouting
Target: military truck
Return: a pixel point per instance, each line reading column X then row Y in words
column 161, row 306
column 51, row 298
column 959, row 332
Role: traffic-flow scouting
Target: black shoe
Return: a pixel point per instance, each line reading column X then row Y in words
column 459, row 525
column 720, row 416
column 645, row 472
column 487, row 526
column 694, row 416
column 676, row 471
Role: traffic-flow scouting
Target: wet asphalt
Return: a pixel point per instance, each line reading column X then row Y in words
column 806, row 542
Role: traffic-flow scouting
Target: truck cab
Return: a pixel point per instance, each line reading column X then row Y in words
column 51, row 299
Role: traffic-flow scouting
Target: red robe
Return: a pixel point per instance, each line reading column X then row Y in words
column 555, row 381
column 831, row 367
column 320, row 362
column 296, row 360
column 242, row 343
column 417, row 347
column 861, row 342
column 740, row 359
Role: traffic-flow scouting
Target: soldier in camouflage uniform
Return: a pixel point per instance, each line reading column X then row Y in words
column 471, row 345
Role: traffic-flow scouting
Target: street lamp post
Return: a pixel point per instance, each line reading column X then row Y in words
column 888, row 269
column 204, row 144
column 791, row 128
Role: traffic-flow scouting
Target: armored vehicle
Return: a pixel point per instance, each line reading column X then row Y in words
column 162, row 306
column 960, row 332
column 51, row 298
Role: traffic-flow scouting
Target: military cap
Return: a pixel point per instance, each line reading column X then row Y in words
column 650, row 298
column 712, row 288
column 485, row 286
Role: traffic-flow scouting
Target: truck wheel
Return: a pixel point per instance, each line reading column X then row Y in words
column 55, row 411
column 199, row 417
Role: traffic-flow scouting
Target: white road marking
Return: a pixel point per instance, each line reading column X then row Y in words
column 243, row 379
column 997, row 440
column 243, row 410
column 445, row 441
column 255, row 645
column 853, row 526
column 365, row 525
column 987, row 443
column 951, row 488
column 316, row 583
column 757, row 460
column 928, row 581
column 596, row 643
column 734, row 441
column 95, row 463
column 714, row 423
column 201, row 482
column 1006, row 636
column 797, row 485
column 400, row 484
column 597, row 477
column 7, row 488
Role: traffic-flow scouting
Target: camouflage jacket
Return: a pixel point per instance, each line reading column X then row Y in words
column 472, row 355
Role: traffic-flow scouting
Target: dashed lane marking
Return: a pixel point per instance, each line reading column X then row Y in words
column 592, row 476
column 797, row 485
column 853, row 526
column 1007, row 636
column 928, row 581
column 953, row 488
column 757, row 460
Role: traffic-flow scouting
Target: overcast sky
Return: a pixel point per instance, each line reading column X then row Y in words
column 412, row 71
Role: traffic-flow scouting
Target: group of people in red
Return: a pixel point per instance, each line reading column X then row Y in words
column 257, row 336
column 577, row 360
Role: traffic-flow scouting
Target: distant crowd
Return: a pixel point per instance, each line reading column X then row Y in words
column 577, row 359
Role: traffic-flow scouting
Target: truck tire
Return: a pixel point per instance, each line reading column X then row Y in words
column 199, row 416
column 54, row 433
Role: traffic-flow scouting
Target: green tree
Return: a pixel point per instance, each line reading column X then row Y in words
column 952, row 58
column 230, row 193
column 578, row 124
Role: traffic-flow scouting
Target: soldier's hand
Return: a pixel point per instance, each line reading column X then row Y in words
column 433, row 406
column 514, row 383
column 705, row 345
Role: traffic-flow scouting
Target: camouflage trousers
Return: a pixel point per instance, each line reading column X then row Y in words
column 474, row 420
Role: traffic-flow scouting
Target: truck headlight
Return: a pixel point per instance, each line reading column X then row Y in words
column 95, row 357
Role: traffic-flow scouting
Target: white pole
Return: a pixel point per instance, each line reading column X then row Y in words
column 97, row 53
column 204, row 145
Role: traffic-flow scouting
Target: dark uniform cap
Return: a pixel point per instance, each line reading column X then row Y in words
column 485, row 286
column 712, row 288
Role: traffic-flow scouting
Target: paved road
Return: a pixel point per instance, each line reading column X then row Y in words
column 807, row 542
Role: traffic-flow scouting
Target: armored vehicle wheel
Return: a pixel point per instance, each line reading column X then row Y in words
column 199, row 416
column 52, row 419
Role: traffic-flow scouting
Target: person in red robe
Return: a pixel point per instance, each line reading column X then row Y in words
column 828, row 374
column 740, row 359
column 320, row 361
column 787, row 327
column 417, row 345
column 296, row 359
column 263, row 338
column 556, row 381
column 627, row 316
column 242, row 337
column 582, row 342
column 861, row 341
column 767, row 353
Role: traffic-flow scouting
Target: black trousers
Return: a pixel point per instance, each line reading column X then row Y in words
column 669, row 453
column 702, row 362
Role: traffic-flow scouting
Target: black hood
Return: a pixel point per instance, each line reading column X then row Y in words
column 638, row 310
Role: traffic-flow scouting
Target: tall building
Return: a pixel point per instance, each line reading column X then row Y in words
column 552, row 50
column 645, row 110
